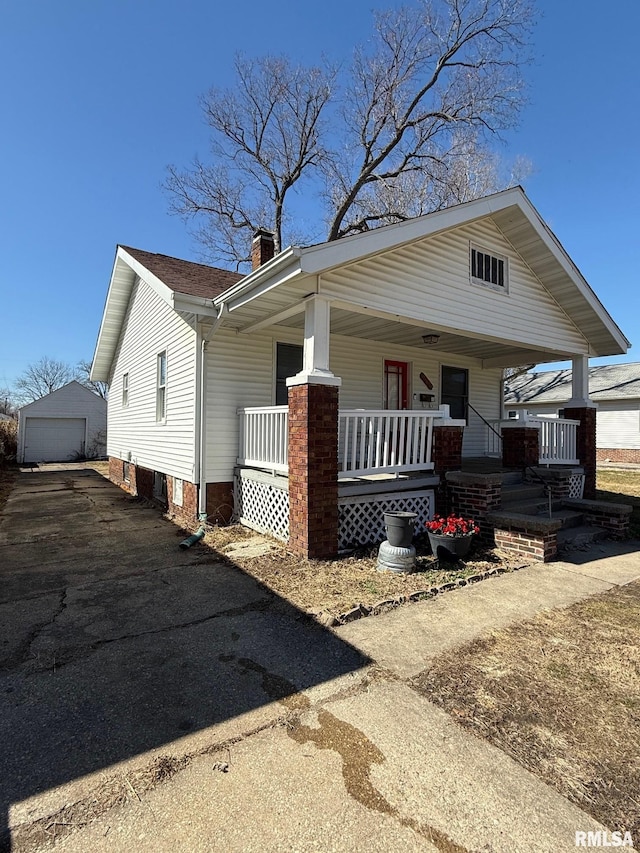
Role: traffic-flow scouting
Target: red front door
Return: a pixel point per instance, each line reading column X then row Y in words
column 396, row 385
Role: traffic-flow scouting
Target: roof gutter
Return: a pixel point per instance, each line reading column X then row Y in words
column 281, row 268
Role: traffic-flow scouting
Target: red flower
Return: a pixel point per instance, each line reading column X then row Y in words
column 452, row 526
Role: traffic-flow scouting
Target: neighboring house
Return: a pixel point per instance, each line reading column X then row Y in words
column 614, row 387
column 68, row 424
column 387, row 346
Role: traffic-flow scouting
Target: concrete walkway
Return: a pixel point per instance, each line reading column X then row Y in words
column 159, row 700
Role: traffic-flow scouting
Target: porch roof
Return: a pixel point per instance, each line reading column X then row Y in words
column 275, row 293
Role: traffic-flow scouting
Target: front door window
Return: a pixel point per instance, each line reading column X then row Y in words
column 396, row 385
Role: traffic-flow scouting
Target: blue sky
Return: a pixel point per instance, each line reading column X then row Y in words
column 98, row 97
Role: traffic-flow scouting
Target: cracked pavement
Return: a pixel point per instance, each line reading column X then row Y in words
column 158, row 699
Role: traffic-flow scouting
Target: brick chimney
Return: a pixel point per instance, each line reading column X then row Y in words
column 262, row 248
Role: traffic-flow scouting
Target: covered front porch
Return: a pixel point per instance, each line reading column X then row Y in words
column 387, row 460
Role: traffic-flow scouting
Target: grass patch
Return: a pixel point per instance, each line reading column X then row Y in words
column 621, row 486
column 561, row 695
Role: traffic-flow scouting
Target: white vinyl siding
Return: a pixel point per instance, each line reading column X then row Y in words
column 152, row 327
column 240, row 372
column 618, row 424
column 429, row 281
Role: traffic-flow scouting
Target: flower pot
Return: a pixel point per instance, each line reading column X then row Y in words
column 399, row 527
column 450, row 547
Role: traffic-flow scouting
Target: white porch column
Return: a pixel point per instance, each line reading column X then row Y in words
column 315, row 359
column 580, row 383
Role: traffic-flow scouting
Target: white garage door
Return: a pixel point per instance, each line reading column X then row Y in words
column 53, row 439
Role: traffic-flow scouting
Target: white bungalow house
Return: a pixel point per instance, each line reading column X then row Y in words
column 615, row 388
column 337, row 380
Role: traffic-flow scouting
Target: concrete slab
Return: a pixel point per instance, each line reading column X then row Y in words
column 276, row 796
column 406, row 639
column 383, row 770
column 612, row 562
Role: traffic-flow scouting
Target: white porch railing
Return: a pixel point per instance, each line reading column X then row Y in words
column 557, row 442
column 384, row 441
column 369, row 442
column 264, row 438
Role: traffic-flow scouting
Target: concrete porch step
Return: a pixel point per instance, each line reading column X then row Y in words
column 520, row 492
column 510, row 478
column 580, row 536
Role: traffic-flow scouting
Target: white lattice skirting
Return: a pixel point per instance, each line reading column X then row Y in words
column 361, row 518
column 262, row 506
column 576, row 485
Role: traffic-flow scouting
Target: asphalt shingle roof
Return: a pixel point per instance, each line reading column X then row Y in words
column 609, row 382
column 186, row 276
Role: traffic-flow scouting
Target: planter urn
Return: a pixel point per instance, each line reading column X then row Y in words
column 400, row 527
column 450, row 547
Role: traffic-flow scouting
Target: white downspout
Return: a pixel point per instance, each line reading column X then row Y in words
column 202, row 416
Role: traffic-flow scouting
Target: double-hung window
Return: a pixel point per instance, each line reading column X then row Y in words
column 288, row 363
column 125, row 390
column 161, row 386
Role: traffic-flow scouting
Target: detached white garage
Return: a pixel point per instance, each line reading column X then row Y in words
column 67, row 424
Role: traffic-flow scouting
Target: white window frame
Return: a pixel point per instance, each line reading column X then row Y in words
column 125, row 390
column 498, row 288
column 161, row 387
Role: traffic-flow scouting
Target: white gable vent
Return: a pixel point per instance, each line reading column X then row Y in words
column 489, row 268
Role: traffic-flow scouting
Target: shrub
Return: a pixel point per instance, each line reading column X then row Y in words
column 8, row 441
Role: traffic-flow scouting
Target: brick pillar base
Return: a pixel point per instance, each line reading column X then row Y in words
column 475, row 496
column 586, row 445
column 520, row 447
column 313, row 470
column 447, row 456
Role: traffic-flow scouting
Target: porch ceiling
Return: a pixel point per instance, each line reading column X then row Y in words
column 492, row 352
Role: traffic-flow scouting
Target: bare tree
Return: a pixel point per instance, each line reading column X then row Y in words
column 440, row 80
column 266, row 134
column 413, row 131
column 41, row 378
column 8, row 404
column 83, row 375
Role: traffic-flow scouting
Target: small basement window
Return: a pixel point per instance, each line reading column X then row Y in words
column 488, row 268
column 177, row 491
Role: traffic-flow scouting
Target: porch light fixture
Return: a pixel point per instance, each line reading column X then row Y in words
column 430, row 340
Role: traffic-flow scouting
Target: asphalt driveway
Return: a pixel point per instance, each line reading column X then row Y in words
column 116, row 645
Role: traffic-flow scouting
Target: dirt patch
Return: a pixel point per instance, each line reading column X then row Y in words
column 561, row 695
column 102, row 467
column 337, row 586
